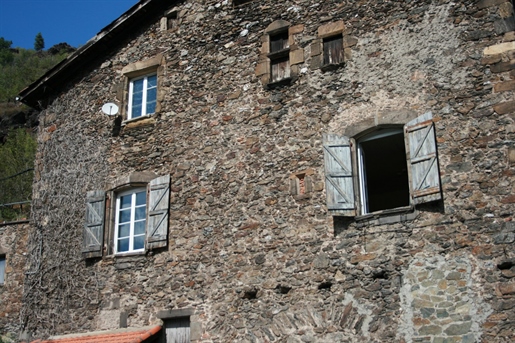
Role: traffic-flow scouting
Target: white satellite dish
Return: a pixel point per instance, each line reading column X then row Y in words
column 110, row 109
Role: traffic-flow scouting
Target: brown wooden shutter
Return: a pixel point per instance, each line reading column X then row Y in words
column 422, row 159
column 338, row 175
column 333, row 50
column 158, row 212
column 94, row 224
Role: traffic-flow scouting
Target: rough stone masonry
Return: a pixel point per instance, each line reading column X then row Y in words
column 252, row 248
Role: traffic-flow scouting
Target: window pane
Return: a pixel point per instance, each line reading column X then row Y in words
column 151, row 107
column 123, row 245
column 136, row 111
column 139, row 227
column 139, row 242
column 125, row 201
column 124, row 230
column 137, row 86
column 2, row 269
column 152, row 81
column 124, row 216
column 140, row 213
column 141, row 198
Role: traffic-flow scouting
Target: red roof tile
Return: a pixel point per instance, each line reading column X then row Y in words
column 133, row 335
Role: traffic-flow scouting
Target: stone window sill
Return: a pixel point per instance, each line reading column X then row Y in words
column 394, row 215
column 332, row 66
column 283, row 82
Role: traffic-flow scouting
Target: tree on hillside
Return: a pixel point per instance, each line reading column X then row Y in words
column 6, row 55
column 16, row 170
column 39, row 42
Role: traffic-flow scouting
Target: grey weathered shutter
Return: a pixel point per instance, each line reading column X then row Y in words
column 94, row 224
column 422, row 159
column 338, row 175
column 158, row 214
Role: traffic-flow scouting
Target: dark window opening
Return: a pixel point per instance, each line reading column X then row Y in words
column 333, row 50
column 383, row 171
column 240, row 2
column 279, row 41
column 171, row 21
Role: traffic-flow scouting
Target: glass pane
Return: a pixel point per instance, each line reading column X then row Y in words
column 151, row 107
column 2, row 269
column 125, row 201
column 151, row 95
column 141, row 198
column 140, row 213
column 136, row 111
column 137, row 86
column 139, row 242
column 123, row 245
column 124, row 230
column 124, row 216
column 152, row 81
column 139, row 227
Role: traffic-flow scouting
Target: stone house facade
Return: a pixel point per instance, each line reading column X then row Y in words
column 279, row 171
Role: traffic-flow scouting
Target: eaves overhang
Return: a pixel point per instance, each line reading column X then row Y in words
column 54, row 80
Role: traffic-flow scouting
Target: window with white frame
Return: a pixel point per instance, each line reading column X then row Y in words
column 140, row 220
column 2, row 269
column 130, row 220
column 142, row 96
column 387, row 169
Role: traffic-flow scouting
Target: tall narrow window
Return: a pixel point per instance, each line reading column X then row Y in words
column 2, row 270
column 131, row 216
column 383, row 171
column 279, row 56
column 142, row 96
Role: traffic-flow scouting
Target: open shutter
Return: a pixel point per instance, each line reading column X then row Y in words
column 422, row 159
column 338, row 175
column 94, row 224
column 158, row 214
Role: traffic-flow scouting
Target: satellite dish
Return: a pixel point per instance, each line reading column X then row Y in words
column 110, row 109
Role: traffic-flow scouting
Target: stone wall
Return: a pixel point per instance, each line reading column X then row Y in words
column 13, row 246
column 257, row 261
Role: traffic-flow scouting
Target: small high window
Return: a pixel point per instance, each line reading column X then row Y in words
column 131, row 214
column 2, row 269
column 142, row 96
column 279, row 56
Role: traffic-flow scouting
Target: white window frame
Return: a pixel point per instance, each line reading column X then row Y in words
column 2, row 269
column 133, row 192
column 144, row 97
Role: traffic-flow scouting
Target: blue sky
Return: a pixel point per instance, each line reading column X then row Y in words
column 70, row 21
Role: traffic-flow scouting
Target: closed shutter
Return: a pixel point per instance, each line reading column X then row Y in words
column 338, row 175
column 94, row 224
column 178, row 330
column 158, row 214
column 422, row 159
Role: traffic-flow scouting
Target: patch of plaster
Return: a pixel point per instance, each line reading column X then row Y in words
column 362, row 309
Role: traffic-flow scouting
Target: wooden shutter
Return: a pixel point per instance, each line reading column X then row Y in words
column 422, row 159
column 158, row 214
column 338, row 175
column 94, row 224
column 178, row 330
column 333, row 50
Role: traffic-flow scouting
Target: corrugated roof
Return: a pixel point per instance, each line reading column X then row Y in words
column 132, row 335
